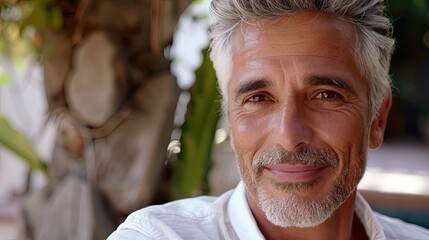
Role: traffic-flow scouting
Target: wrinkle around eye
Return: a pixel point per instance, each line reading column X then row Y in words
column 338, row 102
column 326, row 99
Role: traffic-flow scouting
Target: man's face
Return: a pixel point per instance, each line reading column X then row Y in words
column 299, row 116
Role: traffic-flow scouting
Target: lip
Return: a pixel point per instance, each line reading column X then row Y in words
column 295, row 173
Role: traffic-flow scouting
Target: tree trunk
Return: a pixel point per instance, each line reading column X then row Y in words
column 109, row 87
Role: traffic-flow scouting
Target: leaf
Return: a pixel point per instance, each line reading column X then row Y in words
column 38, row 17
column 5, row 79
column 56, row 21
column 203, row 112
column 2, row 44
column 17, row 143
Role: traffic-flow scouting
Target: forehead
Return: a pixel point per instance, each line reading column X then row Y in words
column 302, row 34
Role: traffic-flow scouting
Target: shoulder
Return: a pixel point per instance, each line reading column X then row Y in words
column 397, row 229
column 175, row 219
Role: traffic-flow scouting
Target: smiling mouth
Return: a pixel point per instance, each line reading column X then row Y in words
column 295, row 173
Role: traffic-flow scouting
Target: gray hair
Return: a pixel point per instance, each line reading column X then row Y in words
column 372, row 51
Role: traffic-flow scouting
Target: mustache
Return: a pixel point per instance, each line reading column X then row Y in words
column 305, row 156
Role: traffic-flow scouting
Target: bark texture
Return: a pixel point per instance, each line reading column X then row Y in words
column 110, row 89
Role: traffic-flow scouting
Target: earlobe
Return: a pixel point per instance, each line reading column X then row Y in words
column 378, row 124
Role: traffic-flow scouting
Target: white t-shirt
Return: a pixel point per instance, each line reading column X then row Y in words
column 229, row 217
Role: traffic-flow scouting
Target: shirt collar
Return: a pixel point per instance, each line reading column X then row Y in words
column 366, row 215
column 241, row 217
column 245, row 225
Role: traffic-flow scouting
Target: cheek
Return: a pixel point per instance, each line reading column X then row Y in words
column 342, row 129
column 348, row 136
column 248, row 134
column 355, row 166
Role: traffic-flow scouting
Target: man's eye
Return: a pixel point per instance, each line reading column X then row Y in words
column 257, row 98
column 328, row 96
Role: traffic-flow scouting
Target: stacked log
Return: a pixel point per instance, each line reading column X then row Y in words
column 110, row 89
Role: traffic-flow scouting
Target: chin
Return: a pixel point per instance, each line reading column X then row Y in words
column 302, row 204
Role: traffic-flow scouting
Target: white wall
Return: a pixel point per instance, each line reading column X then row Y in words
column 23, row 102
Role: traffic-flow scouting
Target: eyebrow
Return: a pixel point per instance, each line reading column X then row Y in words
column 328, row 81
column 315, row 80
column 252, row 85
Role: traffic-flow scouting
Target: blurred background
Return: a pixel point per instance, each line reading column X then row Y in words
column 110, row 106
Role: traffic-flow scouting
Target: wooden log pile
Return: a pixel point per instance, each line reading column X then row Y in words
column 110, row 89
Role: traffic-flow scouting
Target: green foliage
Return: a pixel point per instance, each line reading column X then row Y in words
column 2, row 45
column 16, row 142
column 194, row 160
column 37, row 13
column 43, row 14
column 5, row 79
column 17, row 16
column 410, row 59
column 410, row 22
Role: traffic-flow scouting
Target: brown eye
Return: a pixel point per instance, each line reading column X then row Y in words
column 329, row 95
column 257, row 98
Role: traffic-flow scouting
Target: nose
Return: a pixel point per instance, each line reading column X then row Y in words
column 292, row 128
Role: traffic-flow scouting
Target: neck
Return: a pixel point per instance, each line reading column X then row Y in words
column 343, row 225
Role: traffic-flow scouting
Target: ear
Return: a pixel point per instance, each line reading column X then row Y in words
column 378, row 124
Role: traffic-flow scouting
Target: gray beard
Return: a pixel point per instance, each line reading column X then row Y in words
column 294, row 211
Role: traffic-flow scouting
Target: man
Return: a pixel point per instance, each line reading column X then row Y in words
column 306, row 91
